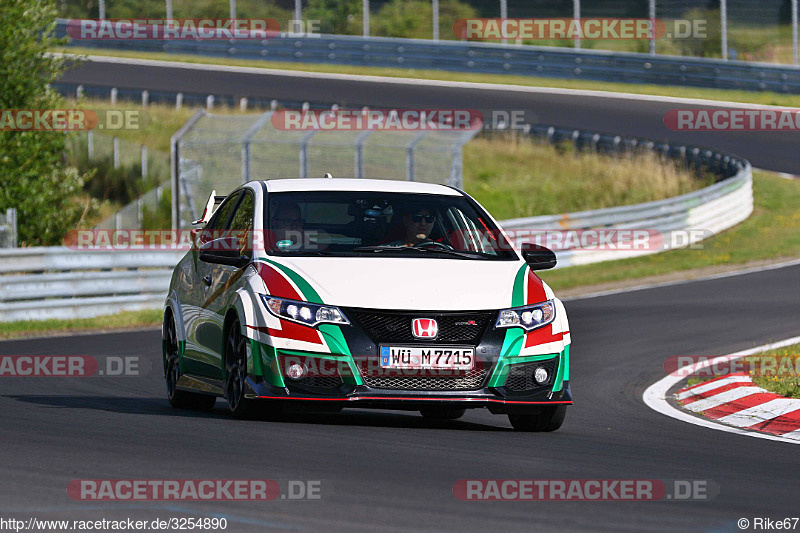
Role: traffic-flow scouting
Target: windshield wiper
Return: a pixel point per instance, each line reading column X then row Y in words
column 438, row 250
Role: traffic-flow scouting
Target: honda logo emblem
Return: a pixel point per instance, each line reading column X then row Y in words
column 424, row 328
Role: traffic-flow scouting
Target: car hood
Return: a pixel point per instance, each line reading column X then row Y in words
column 409, row 283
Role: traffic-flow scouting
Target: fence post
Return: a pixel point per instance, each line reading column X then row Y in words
column 243, row 104
column 723, row 19
column 178, row 100
column 504, row 15
column 365, row 16
column 169, row 9
column 435, row 5
column 795, row 46
column 576, row 15
column 114, row 96
column 233, row 9
column 90, row 144
column 359, row 152
column 145, row 98
column 11, row 222
column 139, row 213
column 652, row 14
column 304, row 153
column 79, row 91
column 410, row 170
column 115, row 152
column 210, row 101
column 247, row 137
column 144, row 161
column 175, row 165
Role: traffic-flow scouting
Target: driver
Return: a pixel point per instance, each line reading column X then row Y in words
column 287, row 226
column 417, row 226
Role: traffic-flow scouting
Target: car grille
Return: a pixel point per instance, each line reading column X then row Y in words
column 320, row 384
column 456, row 380
column 383, row 327
column 520, row 378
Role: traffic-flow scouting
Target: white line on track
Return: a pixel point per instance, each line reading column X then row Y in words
column 655, row 397
column 424, row 82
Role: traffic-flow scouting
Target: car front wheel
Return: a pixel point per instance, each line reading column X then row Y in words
column 236, row 360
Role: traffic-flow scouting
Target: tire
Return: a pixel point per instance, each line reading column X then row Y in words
column 442, row 413
column 550, row 419
column 172, row 372
column 236, row 365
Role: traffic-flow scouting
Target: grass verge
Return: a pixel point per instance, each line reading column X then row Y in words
column 516, row 177
column 781, row 378
column 772, row 232
column 765, row 97
column 124, row 320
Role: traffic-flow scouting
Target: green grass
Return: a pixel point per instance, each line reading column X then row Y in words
column 765, row 97
column 515, row 177
column 124, row 320
column 771, row 232
column 785, row 380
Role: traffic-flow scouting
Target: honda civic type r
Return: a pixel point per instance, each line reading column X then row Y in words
column 336, row 293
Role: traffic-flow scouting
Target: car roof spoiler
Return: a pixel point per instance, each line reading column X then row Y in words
column 212, row 204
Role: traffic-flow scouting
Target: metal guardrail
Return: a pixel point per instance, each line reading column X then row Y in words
column 692, row 217
column 483, row 57
column 58, row 282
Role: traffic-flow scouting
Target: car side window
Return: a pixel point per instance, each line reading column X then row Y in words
column 242, row 222
column 219, row 222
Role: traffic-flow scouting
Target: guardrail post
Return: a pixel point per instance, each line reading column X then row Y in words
column 114, row 92
column 178, row 100
column 79, row 91
column 243, row 104
column 145, row 98
column 273, row 105
column 210, row 102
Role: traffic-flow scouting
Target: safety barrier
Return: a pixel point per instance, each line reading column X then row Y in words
column 482, row 57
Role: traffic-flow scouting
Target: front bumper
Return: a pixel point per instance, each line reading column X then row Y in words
column 501, row 389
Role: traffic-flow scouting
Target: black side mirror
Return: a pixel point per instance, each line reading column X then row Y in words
column 538, row 257
column 224, row 251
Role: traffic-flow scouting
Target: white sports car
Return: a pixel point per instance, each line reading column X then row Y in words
column 367, row 293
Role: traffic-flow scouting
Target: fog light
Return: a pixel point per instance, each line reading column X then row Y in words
column 296, row 371
column 541, row 375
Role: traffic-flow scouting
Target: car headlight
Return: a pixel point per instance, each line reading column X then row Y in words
column 528, row 317
column 304, row 313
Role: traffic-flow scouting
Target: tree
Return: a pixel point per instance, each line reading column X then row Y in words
column 33, row 176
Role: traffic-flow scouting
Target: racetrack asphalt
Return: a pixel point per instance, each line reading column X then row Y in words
column 778, row 151
column 395, row 470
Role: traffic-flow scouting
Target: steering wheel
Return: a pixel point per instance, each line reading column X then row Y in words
column 433, row 244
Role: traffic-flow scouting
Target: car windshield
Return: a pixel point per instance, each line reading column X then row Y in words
column 357, row 223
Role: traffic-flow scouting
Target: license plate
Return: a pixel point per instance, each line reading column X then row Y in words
column 422, row 357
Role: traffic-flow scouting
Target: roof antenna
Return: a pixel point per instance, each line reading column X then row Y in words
column 328, row 175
